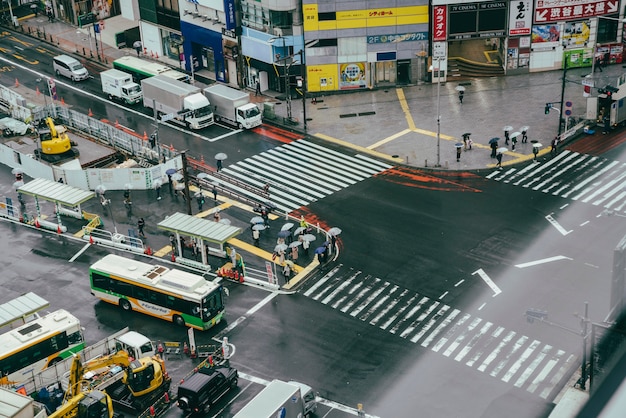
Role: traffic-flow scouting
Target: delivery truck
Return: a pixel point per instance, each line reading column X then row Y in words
column 281, row 399
column 120, row 86
column 177, row 101
column 233, row 106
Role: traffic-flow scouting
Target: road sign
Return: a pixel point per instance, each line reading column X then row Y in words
column 439, row 50
column 167, row 117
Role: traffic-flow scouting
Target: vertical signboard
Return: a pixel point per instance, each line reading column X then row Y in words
column 520, row 17
column 440, row 23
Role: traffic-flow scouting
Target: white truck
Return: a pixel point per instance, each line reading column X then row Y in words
column 177, row 101
column 119, row 85
column 281, row 399
column 233, row 106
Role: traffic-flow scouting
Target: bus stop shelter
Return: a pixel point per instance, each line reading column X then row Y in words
column 21, row 308
column 58, row 193
column 202, row 231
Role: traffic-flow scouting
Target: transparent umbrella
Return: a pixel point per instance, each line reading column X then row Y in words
column 334, row 231
column 202, row 176
column 295, row 244
column 17, row 170
column 157, row 183
column 221, row 156
column 287, row 226
column 309, row 237
column 258, row 227
column 257, row 220
column 280, row 247
column 177, row 176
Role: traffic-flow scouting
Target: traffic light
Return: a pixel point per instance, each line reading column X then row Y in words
column 547, row 108
column 532, row 314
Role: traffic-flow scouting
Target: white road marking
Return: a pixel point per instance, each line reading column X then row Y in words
column 443, row 295
column 440, row 327
column 459, row 282
column 82, row 250
column 557, row 225
column 542, row 261
column 490, row 283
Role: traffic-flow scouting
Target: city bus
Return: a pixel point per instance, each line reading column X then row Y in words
column 177, row 296
column 141, row 69
column 42, row 342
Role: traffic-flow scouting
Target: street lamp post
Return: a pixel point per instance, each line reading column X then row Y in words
column 303, row 77
column 438, row 68
column 283, row 58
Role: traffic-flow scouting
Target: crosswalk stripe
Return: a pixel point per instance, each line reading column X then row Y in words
column 472, row 342
column 319, row 164
column 505, row 355
column 520, row 360
column 532, row 366
column 495, row 334
column 443, row 340
column 408, row 316
column 452, row 347
column 558, row 376
column 433, row 320
column 541, row 377
column 419, row 319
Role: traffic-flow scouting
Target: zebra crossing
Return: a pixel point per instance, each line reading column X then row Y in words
column 302, row 172
column 574, row 176
column 482, row 345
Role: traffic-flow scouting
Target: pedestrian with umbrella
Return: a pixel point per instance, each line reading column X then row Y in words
column 499, row 156
column 256, row 233
column 141, row 223
column 524, row 130
column 200, row 200
column 288, row 265
column 219, row 157
column 493, row 143
column 458, row 147
column 507, row 131
column 536, row 146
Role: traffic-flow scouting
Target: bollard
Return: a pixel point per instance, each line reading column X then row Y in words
column 425, row 163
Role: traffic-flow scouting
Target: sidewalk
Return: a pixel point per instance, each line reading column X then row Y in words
column 396, row 124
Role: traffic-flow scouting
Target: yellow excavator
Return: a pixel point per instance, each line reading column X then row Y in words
column 56, row 145
column 95, row 404
column 133, row 384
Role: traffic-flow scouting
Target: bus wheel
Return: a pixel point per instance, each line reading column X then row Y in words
column 178, row 320
column 125, row 305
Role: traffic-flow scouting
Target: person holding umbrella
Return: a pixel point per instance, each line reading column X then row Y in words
column 499, row 156
column 219, row 157
column 458, row 147
column 493, row 143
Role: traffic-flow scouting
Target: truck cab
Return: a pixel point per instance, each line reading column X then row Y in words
column 248, row 116
column 135, row 344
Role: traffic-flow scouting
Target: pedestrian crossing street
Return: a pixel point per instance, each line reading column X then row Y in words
column 482, row 345
column 302, row 172
column 575, row 176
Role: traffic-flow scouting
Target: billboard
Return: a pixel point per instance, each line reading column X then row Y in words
column 547, row 11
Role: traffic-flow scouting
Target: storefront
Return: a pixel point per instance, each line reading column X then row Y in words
column 204, row 48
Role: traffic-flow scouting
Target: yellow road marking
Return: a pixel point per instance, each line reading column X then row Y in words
column 405, row 108
column 358, row 148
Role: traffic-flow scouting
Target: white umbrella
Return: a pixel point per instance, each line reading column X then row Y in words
column 309, row 237
column 128, row 186
column 334, row 231
column 177, row 176
column 157, row 183
column 502, row 149
column 298, row 230
column 101, row 188
column 459, row 88
column 180, row 186
column 258, row 227
column 18, row 184
column 537, row 145
column 287, row 226
column 225, row 221
column 524, row 128
column 257, row 220
column 295, row 244
column 514, row 134
column 221, row 156
column 508, row 128
column 202, row 176
column 280, row 247
column 17, row 170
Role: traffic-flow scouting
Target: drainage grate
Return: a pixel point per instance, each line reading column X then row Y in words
column 347, row 115
column 367, row 113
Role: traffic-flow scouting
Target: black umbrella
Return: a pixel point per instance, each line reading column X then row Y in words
column 492, row 140
column 467, row 134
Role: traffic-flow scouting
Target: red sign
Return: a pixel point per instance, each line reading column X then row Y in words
column 547, row 11
column 440, row 23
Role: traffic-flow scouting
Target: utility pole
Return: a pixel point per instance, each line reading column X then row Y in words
column 303, row 77
column 183, row 155
column 562, row 99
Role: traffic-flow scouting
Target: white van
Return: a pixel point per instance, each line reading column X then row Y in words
column 69, row 67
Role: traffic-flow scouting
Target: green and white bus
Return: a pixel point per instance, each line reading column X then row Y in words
column 141, row 69
column 174, row 295
column 42, row 342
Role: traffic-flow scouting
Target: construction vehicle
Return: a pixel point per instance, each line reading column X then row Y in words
column 56, row 145
column 133, row 384
column 233, row 106
column 85, row 405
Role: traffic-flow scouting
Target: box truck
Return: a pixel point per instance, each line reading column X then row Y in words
column 233, row 106
column 120, row 86
column 281, row 399
column 177, row 101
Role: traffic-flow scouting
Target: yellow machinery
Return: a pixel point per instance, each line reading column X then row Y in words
column 142, row 380
column 86, row 405
column 56, row 145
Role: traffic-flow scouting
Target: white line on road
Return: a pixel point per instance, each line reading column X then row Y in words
column 542, row 261
column 443, row 295
column 490, row 283
column 459, row 282
column 262, row 303
column 557, row 225
column 584, row 223
column 82, row 250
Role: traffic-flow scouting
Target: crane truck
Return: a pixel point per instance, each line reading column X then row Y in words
column 133, row 384
column 56, row 145
column 233, row 106
column 177, row 101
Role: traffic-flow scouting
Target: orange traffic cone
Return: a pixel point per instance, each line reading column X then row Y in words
column 37, row 224
column 156, row 54
column 173, row 257
column 17, row 83
column 148, row 251
column 62, row 101
column 145, row 136
column 241, row 278
column 117, row 124
column 172, row 147
column 59, row 229
column 90, row 114
column 38, row 92
column 91, row 241
column 236, row 275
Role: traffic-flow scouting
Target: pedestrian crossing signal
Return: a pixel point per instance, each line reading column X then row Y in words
column 547, row 108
